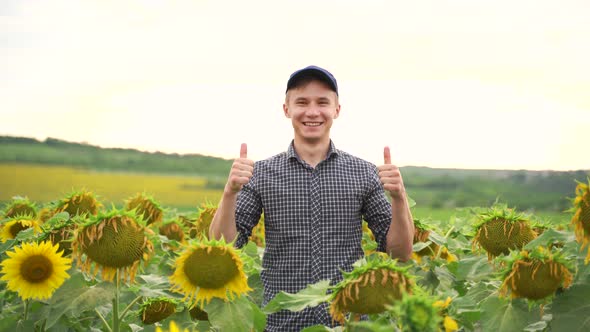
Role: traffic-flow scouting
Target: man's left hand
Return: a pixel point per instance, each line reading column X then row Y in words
column 390, row 177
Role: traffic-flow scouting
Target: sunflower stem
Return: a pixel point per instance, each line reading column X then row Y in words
column 128, row 308
column 27, row 302
column 116, row 304
column 104, row 321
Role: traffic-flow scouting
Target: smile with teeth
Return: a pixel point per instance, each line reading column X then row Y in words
column 312, row 124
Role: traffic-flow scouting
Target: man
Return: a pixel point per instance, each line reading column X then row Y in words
column 314, row 198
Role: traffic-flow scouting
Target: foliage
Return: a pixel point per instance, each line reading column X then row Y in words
column 465, row 292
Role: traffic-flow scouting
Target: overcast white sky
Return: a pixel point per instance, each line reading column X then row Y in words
column 462, row 83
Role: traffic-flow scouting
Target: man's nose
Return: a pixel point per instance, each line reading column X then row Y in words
column 314, row 110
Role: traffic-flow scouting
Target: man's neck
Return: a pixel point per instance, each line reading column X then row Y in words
column 312, row 153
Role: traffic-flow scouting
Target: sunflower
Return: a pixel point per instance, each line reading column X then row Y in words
column 581, row 218
column 201, row 225
column 422, row 234
column 418, row 313
column 35, row 270
column 112, row 242
column 60, row 232
column 189, row 223
column 208, row 269
column 45, row 214
column 20, row 206
column 156, row 309
column 173, row 328
column 536, row 274
column 370, row 287
column 13, row 226
column 78, row 203
column 449, row 324
column 172, row 230
column 368, row 240
column 500, row 229
column 258, row 233
column 146, row 207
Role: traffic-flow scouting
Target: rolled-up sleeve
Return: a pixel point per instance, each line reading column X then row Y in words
column 376, row 211
column 248, row 211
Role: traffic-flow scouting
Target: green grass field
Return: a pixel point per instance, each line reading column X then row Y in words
column 443, row 217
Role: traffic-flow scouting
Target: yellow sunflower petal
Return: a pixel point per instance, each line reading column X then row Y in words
column 172, row 328
column 450, row 324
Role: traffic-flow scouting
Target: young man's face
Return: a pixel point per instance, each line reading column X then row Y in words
column 312, row 109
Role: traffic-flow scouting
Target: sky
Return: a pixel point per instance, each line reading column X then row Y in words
column 499, row 84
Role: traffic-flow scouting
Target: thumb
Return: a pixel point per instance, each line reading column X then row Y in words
column 244, row 151
column 387, row 155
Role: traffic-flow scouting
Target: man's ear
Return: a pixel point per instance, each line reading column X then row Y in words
column 286, row 111
column 337, row 112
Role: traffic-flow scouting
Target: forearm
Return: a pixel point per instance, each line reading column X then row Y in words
column 401, row 230
column 224, row 221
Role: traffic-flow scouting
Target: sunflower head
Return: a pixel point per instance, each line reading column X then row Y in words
column 156, row 309
column 112, row 241
column 418, row 313
column 422, row 234
column 500, row 229
column 581, row 218
column 197, row 313
column 172, row 230
column 258, row 233
column 61, row 232
column 20, row 206
column 45, row 214
column 536, row 274
column 208, row 269
column 189, row 223
column 78, row 203
column 146, row 207
column 13, row 226
column 201, row 226
column 369, row 288
column 35, row 270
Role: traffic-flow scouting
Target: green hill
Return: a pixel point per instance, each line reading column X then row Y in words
column 435, row 188
column 57, row 152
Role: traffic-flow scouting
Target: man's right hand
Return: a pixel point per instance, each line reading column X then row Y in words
column 241, row 171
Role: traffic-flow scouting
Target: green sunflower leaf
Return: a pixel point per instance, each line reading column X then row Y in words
column 500, row 314
column 311, row 296
column 571, row 309
column 240, row 310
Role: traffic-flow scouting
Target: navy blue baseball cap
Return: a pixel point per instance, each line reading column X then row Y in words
column 315, row 72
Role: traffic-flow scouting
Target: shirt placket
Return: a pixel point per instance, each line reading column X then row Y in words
column 315, row 226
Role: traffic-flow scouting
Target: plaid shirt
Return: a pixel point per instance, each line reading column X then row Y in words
column 313, row 224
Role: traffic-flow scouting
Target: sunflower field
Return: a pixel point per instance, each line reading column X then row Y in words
column 77, row 265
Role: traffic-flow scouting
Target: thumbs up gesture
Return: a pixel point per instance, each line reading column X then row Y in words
column 241, row 171
column 390, row 176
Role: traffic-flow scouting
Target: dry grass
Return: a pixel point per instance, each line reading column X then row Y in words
column 47, row 183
